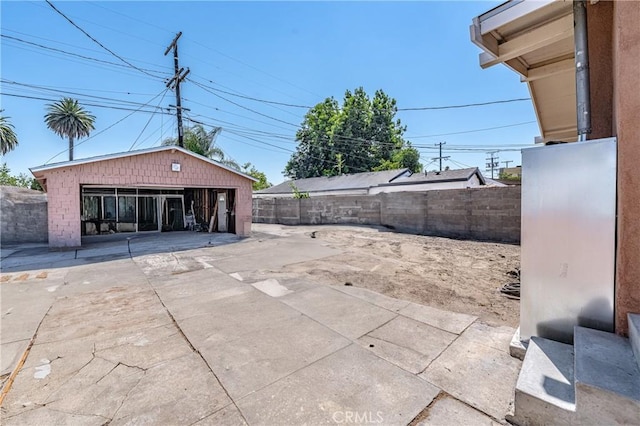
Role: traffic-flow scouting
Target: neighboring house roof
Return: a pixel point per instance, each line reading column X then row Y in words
column 497, row 182
column 535, row 39
column 336, row 183
column 47, row 167
column 443, row 176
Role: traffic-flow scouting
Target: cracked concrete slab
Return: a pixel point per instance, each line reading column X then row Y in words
column 97, row 389
column 48, row 416
column 179, row 391
column 256, row 359
column 190, row 283
column 348, row 382
column 23, row 307
column 101, row 275
column 109, row 350
column 449, row 321
column 65, row 358
column 476, row 372
column 228, row 416
column 200, row 302
column 11, row 354
column 449, row 411
column 348, row 315
column 272, row 287
column 120, row 309
column 407, row 343
column 144, row 348
column 234, row 316
column 374, row 298
column 274, row 254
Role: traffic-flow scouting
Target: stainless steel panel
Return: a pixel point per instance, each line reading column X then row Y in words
column 568, row 238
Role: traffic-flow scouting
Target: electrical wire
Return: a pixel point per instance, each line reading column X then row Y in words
column 239, row 105
column 504, row 101
column 66, row 92
column 100, row 44
column 85, row 103
column 53, row 49
column 238, row 95
column 199, row 58
column 471, row 131
column 149, row 120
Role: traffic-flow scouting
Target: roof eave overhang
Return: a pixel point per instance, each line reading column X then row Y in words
column 534, row 38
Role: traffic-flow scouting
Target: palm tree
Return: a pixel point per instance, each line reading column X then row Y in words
column 68, row 119
column 8, row 138
column 197, row 139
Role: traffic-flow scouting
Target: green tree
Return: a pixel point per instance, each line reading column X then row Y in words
column 405, row 158
column 68, row 119
column 262, row 182
column 361, row 135
column 196, row 139
column 21, row 180
column 8, row 137
column 314, row 155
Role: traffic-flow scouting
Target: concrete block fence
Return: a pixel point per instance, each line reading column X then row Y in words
column 491, row 214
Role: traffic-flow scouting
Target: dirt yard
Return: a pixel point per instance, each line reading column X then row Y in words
column 456, row 275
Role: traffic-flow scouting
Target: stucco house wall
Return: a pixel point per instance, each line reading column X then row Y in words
column 151, row 170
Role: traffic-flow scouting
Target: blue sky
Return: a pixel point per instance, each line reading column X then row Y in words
column 291, row 52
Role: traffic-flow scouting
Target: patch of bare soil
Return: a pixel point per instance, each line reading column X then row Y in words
column 455, row 275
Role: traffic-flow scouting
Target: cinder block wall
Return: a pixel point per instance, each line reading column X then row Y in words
column 491, row 214
column 23, row 216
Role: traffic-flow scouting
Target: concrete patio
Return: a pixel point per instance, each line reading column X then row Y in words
column 171, row 329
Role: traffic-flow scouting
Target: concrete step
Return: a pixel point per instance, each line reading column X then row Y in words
column 607, row 378
column 545, row 388
column 634, row 335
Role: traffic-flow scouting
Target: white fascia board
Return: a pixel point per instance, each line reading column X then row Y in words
column 508, row 12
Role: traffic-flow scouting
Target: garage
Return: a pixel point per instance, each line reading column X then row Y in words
column 159, row 189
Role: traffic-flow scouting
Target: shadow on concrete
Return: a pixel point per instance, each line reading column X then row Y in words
column 104, row 248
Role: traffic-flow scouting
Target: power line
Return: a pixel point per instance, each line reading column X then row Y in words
column 205, row 88
column 66, row 92
column 504, row 101
column 85, row 103
column 260, row 133
column 235, row 114
column 148, row 121
column 251, row 98
column 98, row 43
column 89, row 58
column 232, row 92
column 472, row 131
column 199, row 58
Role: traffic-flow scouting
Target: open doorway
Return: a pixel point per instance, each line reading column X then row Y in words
column 172, row 213
column 212, row 208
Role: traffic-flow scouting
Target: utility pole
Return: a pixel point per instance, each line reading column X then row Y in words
column 176, row 80
column 506, row 163
column 492, row 162
column 440, row 157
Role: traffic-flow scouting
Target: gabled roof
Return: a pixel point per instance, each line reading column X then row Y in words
column 115, row 156
column 535, row 39
column 436, row 177
column 336, row 183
